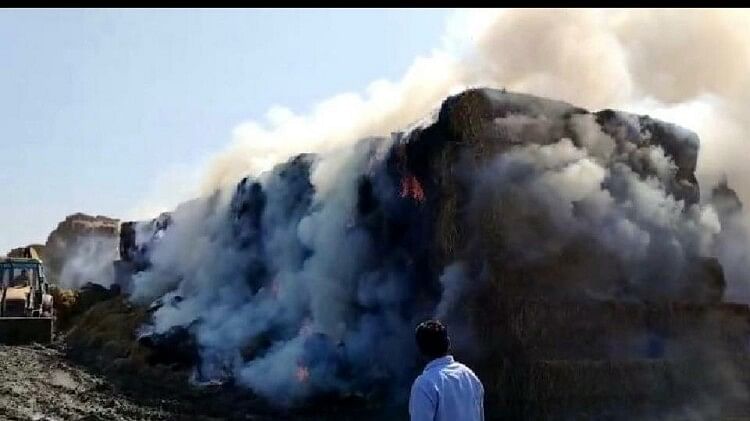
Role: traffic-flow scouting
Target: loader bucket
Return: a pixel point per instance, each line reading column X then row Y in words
column 25, row 330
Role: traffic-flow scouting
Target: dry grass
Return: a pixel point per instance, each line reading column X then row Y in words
column 109, row 327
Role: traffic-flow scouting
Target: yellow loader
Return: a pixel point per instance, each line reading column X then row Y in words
column 26, row 308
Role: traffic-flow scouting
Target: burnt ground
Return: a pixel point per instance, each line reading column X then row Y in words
column 96, row 370
column 42, row 383
column 38, row 383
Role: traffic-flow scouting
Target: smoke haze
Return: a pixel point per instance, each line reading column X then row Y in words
column 304, row 275
column 659, row 62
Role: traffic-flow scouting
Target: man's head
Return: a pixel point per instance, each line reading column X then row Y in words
column 432, row 339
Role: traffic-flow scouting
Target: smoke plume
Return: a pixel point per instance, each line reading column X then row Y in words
column 304, row 274
column 89, row 261
column 672, row 63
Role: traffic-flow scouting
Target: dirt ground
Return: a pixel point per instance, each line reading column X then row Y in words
column 37, row 383
column 41, row 383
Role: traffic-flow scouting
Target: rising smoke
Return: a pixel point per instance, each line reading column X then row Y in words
column 89, row 260
column 308, row 276
column 687, row 67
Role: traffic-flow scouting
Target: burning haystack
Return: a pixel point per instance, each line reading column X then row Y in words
column 568, row 251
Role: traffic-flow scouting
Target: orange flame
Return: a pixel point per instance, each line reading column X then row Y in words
column 411, row 188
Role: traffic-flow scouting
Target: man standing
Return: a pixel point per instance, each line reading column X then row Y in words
column 446, row 390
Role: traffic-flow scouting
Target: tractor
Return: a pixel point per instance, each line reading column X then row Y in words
column 26, row 308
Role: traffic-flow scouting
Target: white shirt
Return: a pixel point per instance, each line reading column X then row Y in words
column 446, row 391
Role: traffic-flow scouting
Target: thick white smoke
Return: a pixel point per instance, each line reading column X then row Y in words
column 689, row 67
column 325, row 270
column 594, row 192
column 645, row 61
column 89, row 261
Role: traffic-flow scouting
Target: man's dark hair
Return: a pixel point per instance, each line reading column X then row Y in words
column 432, row 339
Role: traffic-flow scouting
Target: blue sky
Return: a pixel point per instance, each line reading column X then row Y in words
column 97, row 104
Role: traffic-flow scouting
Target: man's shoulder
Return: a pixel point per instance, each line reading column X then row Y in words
column 423, row 384
column 468, row 371
column 461, row 366
column 421, row 381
